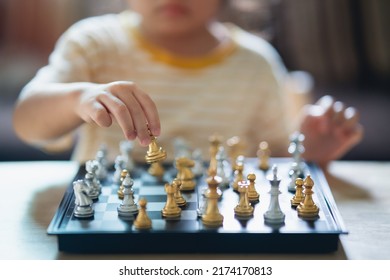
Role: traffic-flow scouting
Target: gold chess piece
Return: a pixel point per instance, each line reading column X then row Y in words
column 244, row 208
column 299, row 196
column 154, row 153
column 120, row 193
column 308, row 209
column 171, row 210
column 238, row 175
column 156, row 169
column 212, row 217
column 263, row 153
column 253, row 195
column 235, row 149
column 215, row 142
column 142, row 221
column 154, row 156
column 185, row 174
column 180, row 201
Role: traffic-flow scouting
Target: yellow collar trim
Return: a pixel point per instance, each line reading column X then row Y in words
column 217, row 55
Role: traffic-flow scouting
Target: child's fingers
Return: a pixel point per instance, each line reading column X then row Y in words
column 150, row 111
column 139, row 118
column 351, row 117
column 100, row 115
column 338, row 112
column 119, row 110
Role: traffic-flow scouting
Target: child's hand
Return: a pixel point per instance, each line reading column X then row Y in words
column 123, row 102
column 330, row 130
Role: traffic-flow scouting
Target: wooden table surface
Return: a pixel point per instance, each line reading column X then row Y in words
column 32, row 191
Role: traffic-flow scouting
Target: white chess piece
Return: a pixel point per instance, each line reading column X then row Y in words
column 294, row 175
column 296, row 149
column 126, row 148
column 83, row 203
column 198, row 168
column 91, row 166
column 127, row 208
column 181, row 148
column 119, row 166
column 274, row 214
column 222, row 167
column 92, row 191
column 101, row 171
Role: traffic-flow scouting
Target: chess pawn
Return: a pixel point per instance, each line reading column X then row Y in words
column 294, row 175
column 185, row 174
column 156, row 170
column 308, row 209
column 238, row 175
column 181, row 148
column 126, row 148
column 154, row 153
column 119, row 166
column 296, row 149
column 253, row 195
column 122, row 188
column 244, row 208
column 127, row 208
column 274, row 214
column 171, row 210
column 215, row 142
column 212, row 217
column 198, row 168
column 83, row 203
column 221, row 167
column 264, row 154
column 91, row 166
column 92, row 191
column 235, row 149
column 299, row 196
column 142, row 221
column 180, row 201
column 101, row 159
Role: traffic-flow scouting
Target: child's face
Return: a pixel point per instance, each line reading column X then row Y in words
column 172, row 17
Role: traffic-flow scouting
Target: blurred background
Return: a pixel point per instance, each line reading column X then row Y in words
column 343, row 44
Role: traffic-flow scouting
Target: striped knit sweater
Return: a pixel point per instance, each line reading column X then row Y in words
column 236, row 90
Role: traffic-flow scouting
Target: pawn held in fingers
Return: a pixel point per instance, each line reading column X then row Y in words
column 125, row 103
column 141, row 109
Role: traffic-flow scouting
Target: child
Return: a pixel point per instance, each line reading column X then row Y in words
column 170, row 61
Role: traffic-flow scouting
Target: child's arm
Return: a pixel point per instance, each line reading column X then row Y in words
column 330, row 130
column 46, row 111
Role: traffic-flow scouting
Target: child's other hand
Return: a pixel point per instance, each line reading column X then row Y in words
column 123, row 102
column 330, row 130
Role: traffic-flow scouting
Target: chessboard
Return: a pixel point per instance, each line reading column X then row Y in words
column 106, row 232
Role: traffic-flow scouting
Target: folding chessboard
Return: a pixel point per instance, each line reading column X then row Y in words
column 106, row 232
